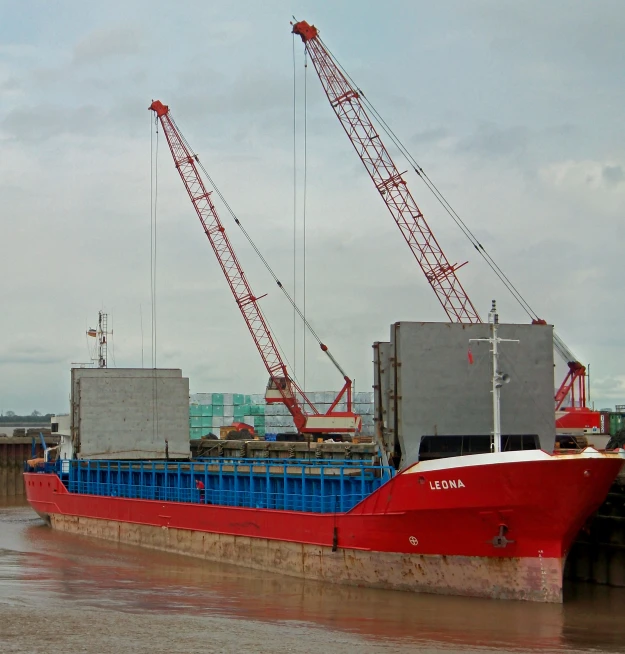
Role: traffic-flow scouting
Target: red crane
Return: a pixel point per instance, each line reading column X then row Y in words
column 574, row 380
column 441, row 275
column 281, row 387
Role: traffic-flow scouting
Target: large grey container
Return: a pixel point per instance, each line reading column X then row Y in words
column 428, row 387
column 130, row 413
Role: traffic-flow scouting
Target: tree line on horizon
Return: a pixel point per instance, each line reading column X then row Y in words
column 35, row 416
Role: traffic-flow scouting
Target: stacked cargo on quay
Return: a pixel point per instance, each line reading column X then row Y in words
column 214, row 413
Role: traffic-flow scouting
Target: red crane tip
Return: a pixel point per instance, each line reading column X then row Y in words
column 306, row 31
column 158, row 107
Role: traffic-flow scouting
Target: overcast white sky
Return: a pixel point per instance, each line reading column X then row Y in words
column 515, row 110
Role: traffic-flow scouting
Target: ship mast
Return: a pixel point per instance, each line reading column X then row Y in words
column 498, row 378
column 102, row 343
column 101, row 334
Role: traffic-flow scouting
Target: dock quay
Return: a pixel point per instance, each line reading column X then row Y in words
column 598, row 554
column 14, row 450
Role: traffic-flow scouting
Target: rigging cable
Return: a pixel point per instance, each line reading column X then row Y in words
column 152, row 239
column 153, row 213
column 155, row 248
column 304, row 207
column 152, row 266
column 294, row 207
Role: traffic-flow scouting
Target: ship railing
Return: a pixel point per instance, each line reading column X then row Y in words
column 284, row 484
column 54, row 466
column 309, row 467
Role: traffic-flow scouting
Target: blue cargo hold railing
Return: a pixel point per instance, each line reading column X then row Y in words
column 322, row 486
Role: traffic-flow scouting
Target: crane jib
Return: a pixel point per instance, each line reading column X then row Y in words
column 347, row 105
column 281, row 388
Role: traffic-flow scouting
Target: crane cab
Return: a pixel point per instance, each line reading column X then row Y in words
column 278, row 389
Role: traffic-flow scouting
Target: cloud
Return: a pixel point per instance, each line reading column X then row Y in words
column 432, row 135
column 519, row 146
column 40, row 123
column 592, row 175
column 107, row 43
column 609, row 388
column 613, row 175
column 11, row 84
column 561, row 36
column 17, row 50
column 32, row 355
column 493, row 141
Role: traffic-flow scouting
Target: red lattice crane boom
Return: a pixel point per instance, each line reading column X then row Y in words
column 281, row 387
column 345, row 101
column 347, row 105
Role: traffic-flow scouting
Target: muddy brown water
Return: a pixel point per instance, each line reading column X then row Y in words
column 70, row 594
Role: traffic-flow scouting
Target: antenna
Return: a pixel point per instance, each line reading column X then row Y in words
column 499, row 378
column 101, row 334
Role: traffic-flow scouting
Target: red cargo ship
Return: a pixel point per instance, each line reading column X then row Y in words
column 491, row 525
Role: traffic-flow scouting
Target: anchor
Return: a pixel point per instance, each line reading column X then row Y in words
column 500, row 540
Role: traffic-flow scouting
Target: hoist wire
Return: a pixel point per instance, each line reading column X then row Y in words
column 152, row 240
column 155, row 248
column 304, row 202
column 247, row 236
column 436, row 192
column 294, row 208
column 153, row 213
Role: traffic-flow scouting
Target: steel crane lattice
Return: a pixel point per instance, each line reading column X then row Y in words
column 345, row 100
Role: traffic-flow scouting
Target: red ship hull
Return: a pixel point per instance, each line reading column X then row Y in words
column 494, row 525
